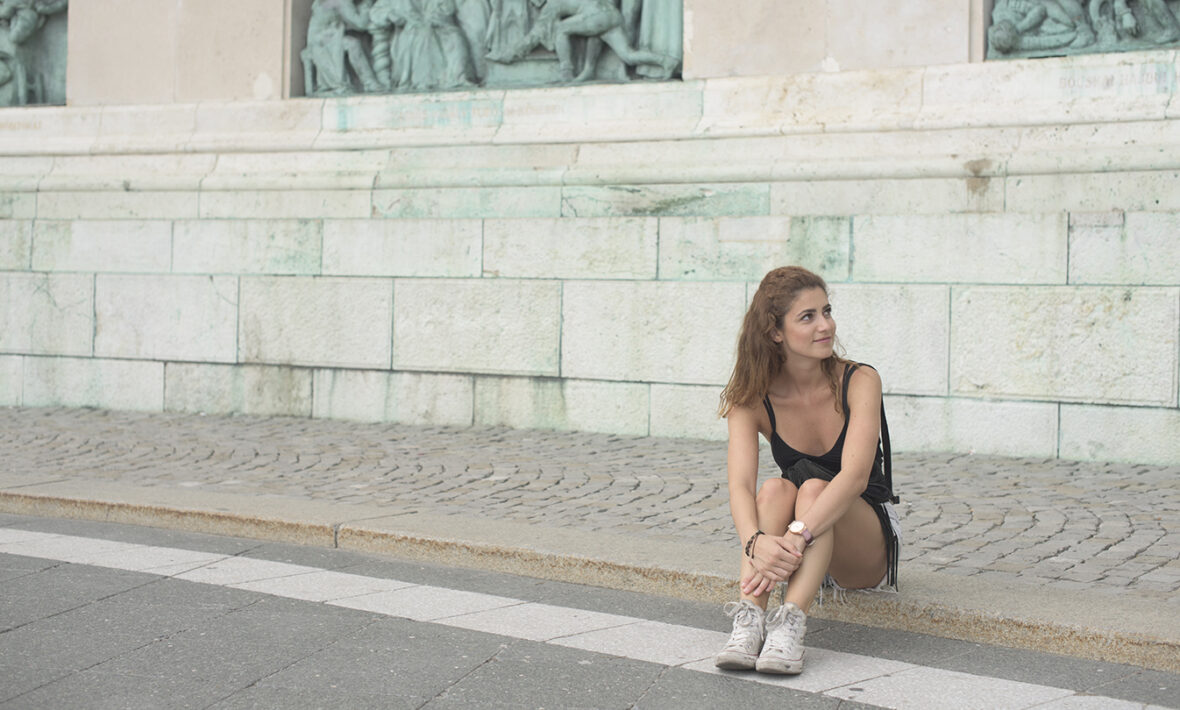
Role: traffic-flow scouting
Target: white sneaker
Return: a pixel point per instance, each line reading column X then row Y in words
column 741, row 652
column 783, row 651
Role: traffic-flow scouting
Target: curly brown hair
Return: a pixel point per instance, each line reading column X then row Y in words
column 759, row 358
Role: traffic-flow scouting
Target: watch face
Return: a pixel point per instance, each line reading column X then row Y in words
column 797, row 527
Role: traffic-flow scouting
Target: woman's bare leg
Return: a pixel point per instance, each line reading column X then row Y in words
column 852, row 551
column 775, row 501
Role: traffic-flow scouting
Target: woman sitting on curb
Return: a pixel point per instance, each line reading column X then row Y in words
column 828, row 520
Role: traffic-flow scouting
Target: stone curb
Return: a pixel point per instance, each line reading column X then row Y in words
column 909, row 613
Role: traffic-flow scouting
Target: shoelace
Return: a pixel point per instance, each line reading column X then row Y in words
column 745, row 621
column 782, row 642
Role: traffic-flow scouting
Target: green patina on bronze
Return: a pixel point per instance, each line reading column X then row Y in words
column 385, row 46
column 1048, row 28
column 32, row 52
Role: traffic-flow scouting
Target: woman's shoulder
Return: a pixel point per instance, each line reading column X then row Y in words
column 864, row 378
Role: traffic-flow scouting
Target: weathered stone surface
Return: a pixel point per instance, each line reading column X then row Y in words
column 403, row 397
column 130, row 126
column 11, row 380
column 297, row 170
column 903, row 331
column 402, row 247
column 478, row 165
column 468, row 202
column 252, row 125
column 985, row 248
column 75, row 129
column 495, row 326
column 1142, row 249
column 46, row 314
column 1135, row 434
column 722, row 199
column 685, row 411
column 417, row 118
column 328, row 322
column 18, row 205
column 117, row 205
column 615, row 112
column 114, row 173
column 23, row 173
column 972, row 426
column 192, row 318
column 610, row 248
column 247, row 246
column 650, row 332
column 938, row 196
column 577, row 405
column 248, row 389
column 16, row 244
column 745, row 248
column 285, row 204
column 1094, row 192
column 1103, row 345
column 107, row 384
column 129, row 246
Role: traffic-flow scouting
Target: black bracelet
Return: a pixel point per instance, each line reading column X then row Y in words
column 750, row 544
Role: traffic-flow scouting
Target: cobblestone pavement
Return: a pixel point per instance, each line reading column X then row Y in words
column 1064, row 524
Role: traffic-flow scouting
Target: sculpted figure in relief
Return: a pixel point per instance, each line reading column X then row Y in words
column 331, row 50
column 600, row 22
column 21, row 19
column 426, row 47
column 1125, row 23
column 1038, row 25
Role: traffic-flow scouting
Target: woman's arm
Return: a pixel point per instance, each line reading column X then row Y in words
column 856, row 463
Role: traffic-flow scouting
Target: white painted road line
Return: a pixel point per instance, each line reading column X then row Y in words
column 866, row 679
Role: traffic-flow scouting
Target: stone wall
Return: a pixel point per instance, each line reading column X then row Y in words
column 1001, row 241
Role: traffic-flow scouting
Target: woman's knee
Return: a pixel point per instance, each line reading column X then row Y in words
column 808, row 492
column 776, row 491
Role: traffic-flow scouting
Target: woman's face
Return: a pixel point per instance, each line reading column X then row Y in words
column 808, row 328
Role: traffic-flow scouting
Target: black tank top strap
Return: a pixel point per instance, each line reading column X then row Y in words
column 848, row 370
column 770, row 411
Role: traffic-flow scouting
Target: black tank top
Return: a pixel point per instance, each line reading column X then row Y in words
column 786, row 457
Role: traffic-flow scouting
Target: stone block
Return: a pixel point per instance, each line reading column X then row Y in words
column 403, row 397
column 16, row 244
column 46, row 314
column 23, row 173
column 107, row 384
column 903, row 331
column 871, row 36
column 247, row 246
column 1140, row 250
column 973, row 248
column 18, row 205
column 608, row 248
column 567, row 405
column 650, row 332
column 402, row 247
column 144, row 51
column 221, row 59
column 477, row 165
column 297, row 170
column 972, row 426
column 495, row 326
column 1094, row 192
column 1133, row 434
column 368, row 121
column 237, row 389
column 121, row 173
column 49, row 130
column 1098, row 345
column 117, row 205
column 745, row 248
column 914, row 196
column 468, row 202
column 615, row 112
column 233, row 126
column 682, row 411
column 326, row 322
column 129, row 246
column 192, row 318
column 718, row 200
column 11, row 380
column 285, row 204
column 135, row 127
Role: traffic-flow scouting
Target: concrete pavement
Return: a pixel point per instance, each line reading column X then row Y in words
column 1069, row 557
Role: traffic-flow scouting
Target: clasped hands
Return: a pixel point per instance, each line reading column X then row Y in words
column 775, row 559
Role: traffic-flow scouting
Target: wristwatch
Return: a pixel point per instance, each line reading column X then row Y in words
column 800, row 528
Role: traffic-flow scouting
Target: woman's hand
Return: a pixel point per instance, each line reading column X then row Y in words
column 775, row 559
